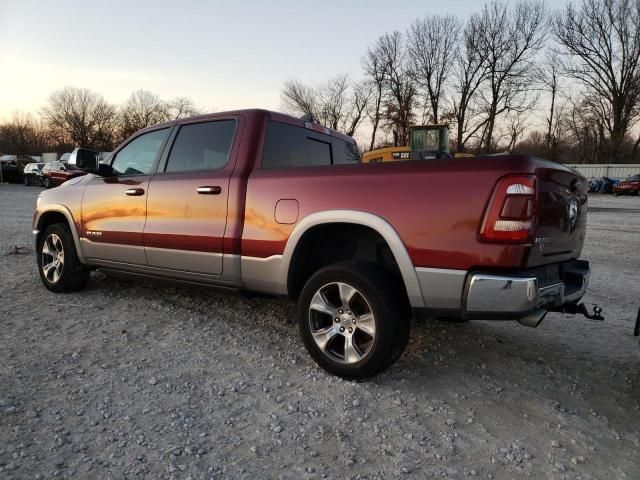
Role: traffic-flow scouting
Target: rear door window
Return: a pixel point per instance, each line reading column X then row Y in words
column 202, row 146
column 290, row 146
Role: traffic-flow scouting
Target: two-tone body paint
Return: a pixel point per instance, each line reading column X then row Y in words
column 434, row 208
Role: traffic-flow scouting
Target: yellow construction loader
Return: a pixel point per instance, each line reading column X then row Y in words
column 425, row 141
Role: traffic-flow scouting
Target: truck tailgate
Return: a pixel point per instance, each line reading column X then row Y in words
column 562, row 216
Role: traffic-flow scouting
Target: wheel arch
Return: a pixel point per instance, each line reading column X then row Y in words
column 57, row 214
column 373, row 222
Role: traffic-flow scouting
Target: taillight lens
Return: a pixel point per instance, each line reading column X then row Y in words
column 510, row 216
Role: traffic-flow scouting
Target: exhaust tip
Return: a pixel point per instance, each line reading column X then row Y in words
column 533, row 319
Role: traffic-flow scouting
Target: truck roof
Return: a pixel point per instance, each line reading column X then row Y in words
column 252, row 112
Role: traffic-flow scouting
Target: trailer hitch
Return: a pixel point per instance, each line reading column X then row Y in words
column 581, row 308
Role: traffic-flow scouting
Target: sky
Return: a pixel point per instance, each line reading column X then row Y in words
column 222, row 54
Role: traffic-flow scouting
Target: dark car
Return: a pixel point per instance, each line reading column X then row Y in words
column 56, row 173
column 32, row 173
column 630, row 186
column 10, row 171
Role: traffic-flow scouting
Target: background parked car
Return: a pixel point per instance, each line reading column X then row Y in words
column 602, row 185
column 56, row 173
column 630, row 186
column 11, row 172
column 32, row 173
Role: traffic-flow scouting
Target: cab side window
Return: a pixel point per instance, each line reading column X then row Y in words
column 291, row 146
column 202, row 146
column 139, row 156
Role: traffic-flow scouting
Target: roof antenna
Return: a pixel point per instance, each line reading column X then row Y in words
column 308, row 117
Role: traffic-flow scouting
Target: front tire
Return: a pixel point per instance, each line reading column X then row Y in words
column 46, row 183
column 353, row 319
column 58, row 264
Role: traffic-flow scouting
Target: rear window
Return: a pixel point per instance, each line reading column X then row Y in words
column 290, row 146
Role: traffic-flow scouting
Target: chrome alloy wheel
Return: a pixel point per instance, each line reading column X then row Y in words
column 52, row 258
column 342, row 323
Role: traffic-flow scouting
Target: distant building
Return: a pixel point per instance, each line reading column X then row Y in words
column 49, row 157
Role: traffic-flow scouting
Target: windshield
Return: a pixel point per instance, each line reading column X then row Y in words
column 429, row 139
column 423, row 139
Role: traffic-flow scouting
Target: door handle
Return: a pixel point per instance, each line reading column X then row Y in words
column 209, row 190
column 134, row 192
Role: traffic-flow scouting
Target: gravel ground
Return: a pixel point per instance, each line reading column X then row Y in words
column 136, row 380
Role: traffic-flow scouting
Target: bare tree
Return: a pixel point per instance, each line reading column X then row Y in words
column 517, row 123
column 469, row 73
column 23, row 135
column 181, row 107
column 82, row 117
column 432, row 44
column 359, row 102
column 375, row 70
column 634, row 152
column 333, row 101
column 141, row 110
column 401, row 87
column 298, row 98
column 509, row 38
column 586, row 130
column 601, row 40
column 549, row 75
column 337, row 103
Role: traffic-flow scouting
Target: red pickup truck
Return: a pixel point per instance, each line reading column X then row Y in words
column 261, row 201
column 56, row 173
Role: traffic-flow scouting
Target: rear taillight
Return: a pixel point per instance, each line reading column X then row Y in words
column 510, row 215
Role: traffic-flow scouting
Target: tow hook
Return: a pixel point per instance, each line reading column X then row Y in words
column 581, row 308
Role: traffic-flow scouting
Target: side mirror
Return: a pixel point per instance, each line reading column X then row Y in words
column 84, row 159
column 104, row 170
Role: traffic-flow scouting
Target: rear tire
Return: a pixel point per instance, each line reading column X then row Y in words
column 58, row 264
column 353, row 319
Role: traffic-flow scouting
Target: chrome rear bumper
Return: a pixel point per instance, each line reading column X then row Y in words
column 491, row 296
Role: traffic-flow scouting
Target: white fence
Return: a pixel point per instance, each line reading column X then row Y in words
column 612, row 170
